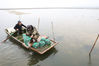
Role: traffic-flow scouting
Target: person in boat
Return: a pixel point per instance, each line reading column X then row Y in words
column 39, row 42
column 32, row 31
column 33, row 41
column 29, row 40
column 18, row 27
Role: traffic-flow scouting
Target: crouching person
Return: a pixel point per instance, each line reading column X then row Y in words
column 34, row 42
column 32, row 31
column 41, row 41
column 31, row 36
column 29, row 41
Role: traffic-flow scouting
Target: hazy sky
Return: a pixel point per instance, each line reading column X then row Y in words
column 48, row 3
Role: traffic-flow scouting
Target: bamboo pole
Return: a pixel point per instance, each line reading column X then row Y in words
column 53, row 31
column 38, row 23
column 93, row 45
column 20, row 17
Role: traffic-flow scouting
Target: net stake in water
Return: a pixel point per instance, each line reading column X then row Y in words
column 53, row 31
column 38, row 23
column 93, row 45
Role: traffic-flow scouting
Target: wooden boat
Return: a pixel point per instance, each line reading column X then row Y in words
column 38, row 50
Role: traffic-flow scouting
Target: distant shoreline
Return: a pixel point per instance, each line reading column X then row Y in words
column 47, row 8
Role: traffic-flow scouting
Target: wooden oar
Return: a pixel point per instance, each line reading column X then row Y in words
column 94, row 45
column 8, row 37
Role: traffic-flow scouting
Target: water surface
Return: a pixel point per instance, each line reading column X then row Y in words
column 75, row 29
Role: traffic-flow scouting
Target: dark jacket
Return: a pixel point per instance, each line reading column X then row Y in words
column 19, row 26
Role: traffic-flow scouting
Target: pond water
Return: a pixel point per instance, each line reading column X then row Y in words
column 74, row 29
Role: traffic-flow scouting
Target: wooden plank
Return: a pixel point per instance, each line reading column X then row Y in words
column 48, row 48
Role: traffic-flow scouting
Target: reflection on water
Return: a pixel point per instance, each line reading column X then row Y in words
column 34, row 58
column 90, row 59
column 18, row 13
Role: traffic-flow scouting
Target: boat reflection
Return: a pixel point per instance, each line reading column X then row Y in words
column 90, row 62
column 34, row 58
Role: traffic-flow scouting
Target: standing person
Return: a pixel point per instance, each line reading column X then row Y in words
column 18, row 27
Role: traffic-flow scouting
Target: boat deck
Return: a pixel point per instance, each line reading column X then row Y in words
column 38, row 50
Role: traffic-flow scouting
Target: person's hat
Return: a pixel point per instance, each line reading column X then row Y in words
column 19, row 21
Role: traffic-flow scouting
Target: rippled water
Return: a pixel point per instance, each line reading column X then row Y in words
column 75, row 29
